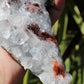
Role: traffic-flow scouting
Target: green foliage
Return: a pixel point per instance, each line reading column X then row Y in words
column 69, row 30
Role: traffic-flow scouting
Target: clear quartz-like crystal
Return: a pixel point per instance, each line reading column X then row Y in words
column 26, row 33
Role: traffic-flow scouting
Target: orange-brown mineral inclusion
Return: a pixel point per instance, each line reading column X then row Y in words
column 58, row 69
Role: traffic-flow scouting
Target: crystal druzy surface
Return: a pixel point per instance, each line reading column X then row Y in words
column 26, row 33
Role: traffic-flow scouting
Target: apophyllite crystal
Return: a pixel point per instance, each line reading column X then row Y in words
column 26, row 33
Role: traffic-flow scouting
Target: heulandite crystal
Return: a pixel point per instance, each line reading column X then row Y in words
column 26, row 33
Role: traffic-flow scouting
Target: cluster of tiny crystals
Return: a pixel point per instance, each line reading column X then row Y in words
column 26, row 33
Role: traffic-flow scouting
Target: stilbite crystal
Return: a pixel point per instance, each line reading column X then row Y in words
column 26, row 33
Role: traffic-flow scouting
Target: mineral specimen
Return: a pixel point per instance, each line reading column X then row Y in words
column 26, row 33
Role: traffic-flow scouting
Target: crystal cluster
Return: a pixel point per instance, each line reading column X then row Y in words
column 26, row 33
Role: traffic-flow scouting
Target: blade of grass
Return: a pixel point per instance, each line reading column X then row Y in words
column 62, row 27
column 67, row 64
column 79, row 77
column 55, row 28
column 65, row 26
column 65, row 43
column 26, row 77
column 74, row 77
column 33, row 81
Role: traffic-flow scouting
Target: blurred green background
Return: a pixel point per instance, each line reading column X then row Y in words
column 69, row 31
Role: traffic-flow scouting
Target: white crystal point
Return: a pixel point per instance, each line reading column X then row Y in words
column 26, row 33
